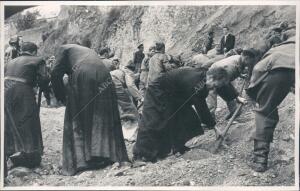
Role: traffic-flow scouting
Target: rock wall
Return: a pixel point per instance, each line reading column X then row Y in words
column 181, row 27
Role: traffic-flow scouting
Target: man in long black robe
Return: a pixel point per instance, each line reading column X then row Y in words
column 168, row 120
column 23, row 136
column 92, row 126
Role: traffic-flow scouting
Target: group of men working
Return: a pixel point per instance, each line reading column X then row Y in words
column 171, row 99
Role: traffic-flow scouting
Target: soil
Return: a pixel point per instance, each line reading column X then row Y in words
column 197, row 167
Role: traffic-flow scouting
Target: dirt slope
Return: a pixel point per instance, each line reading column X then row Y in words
column 198, row 167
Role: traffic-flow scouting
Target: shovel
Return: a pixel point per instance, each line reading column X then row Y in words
column 221, row 135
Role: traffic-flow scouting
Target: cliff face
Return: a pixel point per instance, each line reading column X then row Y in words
column 182, row 28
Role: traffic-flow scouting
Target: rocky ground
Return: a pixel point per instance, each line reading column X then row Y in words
column 198, row 167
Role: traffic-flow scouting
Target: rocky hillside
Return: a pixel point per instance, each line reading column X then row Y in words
column 181, row 27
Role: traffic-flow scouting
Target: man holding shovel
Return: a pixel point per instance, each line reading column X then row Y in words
column 221, row 75
column 271, row 81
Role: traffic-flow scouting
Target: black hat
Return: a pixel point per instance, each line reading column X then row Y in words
column 159, row 46
column 140, row 45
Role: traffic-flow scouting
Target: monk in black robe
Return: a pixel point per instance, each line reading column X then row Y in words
column 23, row 136
column 92, row 126
column 168, row 119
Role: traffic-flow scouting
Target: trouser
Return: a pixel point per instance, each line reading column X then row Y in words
column 125, row 103
column 269, row 94
column 227, row 93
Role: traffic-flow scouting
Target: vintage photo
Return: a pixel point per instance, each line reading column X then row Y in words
column 149, row 95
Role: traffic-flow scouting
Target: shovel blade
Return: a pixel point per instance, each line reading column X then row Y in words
column 217, row 144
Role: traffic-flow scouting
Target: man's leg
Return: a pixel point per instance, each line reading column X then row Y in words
column 228, row 93
column 271, row 92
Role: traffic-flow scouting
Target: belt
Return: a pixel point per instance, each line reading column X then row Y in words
column 16, row 79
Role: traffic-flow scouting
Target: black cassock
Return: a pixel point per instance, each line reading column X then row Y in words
column 169, row 120
column 22, row 122
column 92, row 126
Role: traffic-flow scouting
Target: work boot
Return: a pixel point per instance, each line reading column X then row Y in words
column 232, row 106
column 260, row 156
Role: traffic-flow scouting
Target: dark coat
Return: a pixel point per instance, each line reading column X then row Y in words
column 22, row 123
column 281, row 56
column 92, row 126
column 229, row 44
column 168, row 119
column 138, row 57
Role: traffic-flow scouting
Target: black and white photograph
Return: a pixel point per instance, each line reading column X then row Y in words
column 142, row 95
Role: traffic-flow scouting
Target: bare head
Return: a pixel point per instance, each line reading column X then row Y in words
column 104, row 52
column 225, row 30
column 248, row 57
column 216, row 78
column 160, row 47
column 116, row 63
column 211, row 34
column 151, row 51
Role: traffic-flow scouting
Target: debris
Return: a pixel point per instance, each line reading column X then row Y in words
column 285, row 137
column 20, row 172
column 220, row 171
column 120, row 173
column 115, row 165
column 137, row 164
column 186, row 183
column 242, row 174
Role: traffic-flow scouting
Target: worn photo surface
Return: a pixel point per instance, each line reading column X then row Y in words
column 149, row 95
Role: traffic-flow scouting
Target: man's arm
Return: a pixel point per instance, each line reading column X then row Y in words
column 129, row 81
column 43, row 80
column 227, row 92
column 233, row 41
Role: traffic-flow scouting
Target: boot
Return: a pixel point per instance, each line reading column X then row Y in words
column 260, row 156
column 232, row 106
